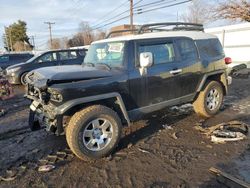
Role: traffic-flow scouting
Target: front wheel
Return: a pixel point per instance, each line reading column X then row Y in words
column 209, row 100
column 23, row 79
column 93, row 132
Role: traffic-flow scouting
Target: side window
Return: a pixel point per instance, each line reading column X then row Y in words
column 210, row 49
column 187, row 49
column 72, row 55
column 66, row 55
column 4, row 59
column 162, row 53
column 63, row 55
column 47, row 57
column 82, row 53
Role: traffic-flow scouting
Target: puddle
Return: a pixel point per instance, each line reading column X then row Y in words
column 243, row 166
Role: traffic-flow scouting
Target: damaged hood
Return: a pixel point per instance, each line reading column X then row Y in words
column 63, row 74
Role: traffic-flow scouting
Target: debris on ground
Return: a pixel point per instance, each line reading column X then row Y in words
column 6, row 90
column 174, row 136
column 129, row 145
column 2, row 112
column 143, row 151
column 7, row 178
column 46, row 168
column 180, row 110
column 240, row 71
column 228, row 180
column 226, row 132
column 168, row 127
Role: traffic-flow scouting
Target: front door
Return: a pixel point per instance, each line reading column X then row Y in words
column 46, row 60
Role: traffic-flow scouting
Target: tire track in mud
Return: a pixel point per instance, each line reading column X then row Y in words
column 12, row 133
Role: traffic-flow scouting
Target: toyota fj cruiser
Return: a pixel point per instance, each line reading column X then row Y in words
column 124, row 77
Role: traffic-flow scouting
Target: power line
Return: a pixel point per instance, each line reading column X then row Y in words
column 141, row 12
column 138, row 2
column 110, row 12
column 157, row 8
column 128, row 10
column 111, row 22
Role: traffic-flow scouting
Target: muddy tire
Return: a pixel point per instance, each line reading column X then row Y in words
column 23, row 80
column 93, row 132
column 209, row 100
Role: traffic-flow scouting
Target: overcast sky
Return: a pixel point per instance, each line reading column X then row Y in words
column 67, row 14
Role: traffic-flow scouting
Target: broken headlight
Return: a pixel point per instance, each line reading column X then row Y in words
column 55, row 95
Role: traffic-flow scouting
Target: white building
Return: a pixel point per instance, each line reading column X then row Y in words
column 235, row 40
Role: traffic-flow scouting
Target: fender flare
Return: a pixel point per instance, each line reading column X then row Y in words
column 223, row 79
column 72, row 103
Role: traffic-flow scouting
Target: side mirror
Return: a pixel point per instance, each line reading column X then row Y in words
column 146, row 59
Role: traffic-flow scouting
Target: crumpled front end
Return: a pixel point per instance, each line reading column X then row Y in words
column 42, row 111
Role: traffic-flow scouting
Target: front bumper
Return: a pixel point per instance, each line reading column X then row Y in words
column 45, row 115
column 13, row 79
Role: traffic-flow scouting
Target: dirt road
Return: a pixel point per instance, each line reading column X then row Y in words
column 149, row 154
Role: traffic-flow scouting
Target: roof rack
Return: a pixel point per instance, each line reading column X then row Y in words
column 176, row 26
column 158, row 27
column 121, row 31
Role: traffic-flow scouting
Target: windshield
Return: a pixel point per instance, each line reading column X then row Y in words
column 34, row 57
column 109, row 53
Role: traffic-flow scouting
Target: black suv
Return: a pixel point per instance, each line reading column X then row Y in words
column 125, row 77
column 13, row 58
column 16, row 73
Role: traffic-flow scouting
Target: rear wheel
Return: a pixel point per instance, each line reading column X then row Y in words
column 210, row 99
column 94, row 132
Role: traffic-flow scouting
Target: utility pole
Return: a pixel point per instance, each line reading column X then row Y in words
column 33, row 42
column 8, row 34
column 5, row 38
column 131, row 14
column 50, row 34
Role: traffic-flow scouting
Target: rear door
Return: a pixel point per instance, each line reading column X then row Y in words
column 174, row 74
column 68, row 57
column 189, row 66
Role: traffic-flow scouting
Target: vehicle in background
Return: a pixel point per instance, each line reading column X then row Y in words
column 9, row 59
column 125, row 77
column 16, row 73
column 235, row 41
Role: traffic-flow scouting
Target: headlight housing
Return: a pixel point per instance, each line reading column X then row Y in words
column 55, row 95
column 12, row 70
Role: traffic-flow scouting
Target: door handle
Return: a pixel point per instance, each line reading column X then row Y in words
column 176, row 71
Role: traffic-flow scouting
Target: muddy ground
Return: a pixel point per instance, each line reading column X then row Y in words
column 149, row 155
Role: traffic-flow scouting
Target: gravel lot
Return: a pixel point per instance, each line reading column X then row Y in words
column 150, row 153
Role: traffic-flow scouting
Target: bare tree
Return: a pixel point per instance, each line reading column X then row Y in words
column 76, row 40
column 56, row 43
column 100, row 35
column 21, row 46
column 233, row 10
column 87, row 32
column 198, row 12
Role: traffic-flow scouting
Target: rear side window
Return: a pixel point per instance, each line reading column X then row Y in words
column 82, row 53
column 210, row 49
column 4, row 59
column 187, row 49
column 66, row 55
column 162, row 53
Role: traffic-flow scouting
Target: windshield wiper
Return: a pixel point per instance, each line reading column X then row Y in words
column 104, row 64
